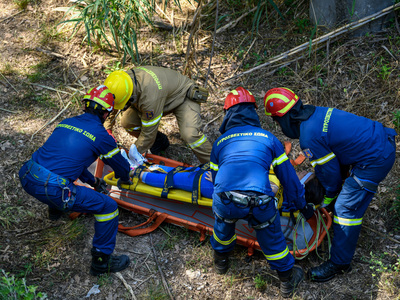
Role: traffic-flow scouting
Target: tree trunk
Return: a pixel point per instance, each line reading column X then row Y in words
column 335, row 13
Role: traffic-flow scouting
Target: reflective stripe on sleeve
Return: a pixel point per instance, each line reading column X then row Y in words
column 224, row 242
column 323, row 160
column 151, row 122
column 279, row 160
column 278, row 255
column 213, row 167
column 199, row 142
column 347, row 222
column 107, row 217
column 109, row 154
column 133, row 129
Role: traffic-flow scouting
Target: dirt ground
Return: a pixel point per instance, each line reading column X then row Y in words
column 42, row 77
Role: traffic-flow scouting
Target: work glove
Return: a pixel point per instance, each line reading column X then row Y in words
column 327, row 200
column 307, row 211
column 100, row 186
column 136, row 158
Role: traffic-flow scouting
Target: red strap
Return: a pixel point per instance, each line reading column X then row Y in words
column 157, row 217
column 299, row 160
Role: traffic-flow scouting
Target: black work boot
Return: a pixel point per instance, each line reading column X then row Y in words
column 327, row 271
column 160, row 144
column 55, row 214
column 290, row 280
column 221, row 262
column 105, row 263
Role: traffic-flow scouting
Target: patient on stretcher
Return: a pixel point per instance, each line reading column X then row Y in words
column 155, row 175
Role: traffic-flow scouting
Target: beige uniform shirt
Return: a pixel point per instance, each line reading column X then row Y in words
column 159, row 91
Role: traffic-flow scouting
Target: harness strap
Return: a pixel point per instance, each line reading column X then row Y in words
column 367, row 185
column 169, row 181
column 266, row 223
column 229, row 221
column 246, row 200
column 136, row 176
column 196, row 193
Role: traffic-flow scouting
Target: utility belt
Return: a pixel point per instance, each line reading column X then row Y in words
column 197, row 93
column 246, row 200
column 48, row 178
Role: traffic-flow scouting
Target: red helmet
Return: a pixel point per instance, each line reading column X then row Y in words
column 279, row 101
column 101, row 95
column 239, row 95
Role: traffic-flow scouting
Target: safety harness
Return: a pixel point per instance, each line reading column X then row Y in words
column 41, row 174
column 248, row 199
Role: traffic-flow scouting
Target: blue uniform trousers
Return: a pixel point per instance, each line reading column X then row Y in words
column 85, row 200
column 270, row 239
column 352, row 203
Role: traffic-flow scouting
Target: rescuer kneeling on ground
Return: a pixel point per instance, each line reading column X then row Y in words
column 332, row 138
column 240, row 162
column 72, row 147
column 148, row 93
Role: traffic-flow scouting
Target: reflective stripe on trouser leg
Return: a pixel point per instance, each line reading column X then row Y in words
column 224, row 237
column 349, row 210
column 190, row 125
column 105, row 210
column 272, row 240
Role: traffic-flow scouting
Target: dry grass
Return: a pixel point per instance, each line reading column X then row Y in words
column 356, row 74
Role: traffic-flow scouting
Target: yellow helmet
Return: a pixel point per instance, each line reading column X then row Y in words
column 121, row 85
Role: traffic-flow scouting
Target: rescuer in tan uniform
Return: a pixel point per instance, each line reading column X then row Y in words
column 148, row 93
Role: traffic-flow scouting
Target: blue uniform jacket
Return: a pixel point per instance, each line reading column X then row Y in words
column 75, row 144
column 331, row 137
column 241, row 159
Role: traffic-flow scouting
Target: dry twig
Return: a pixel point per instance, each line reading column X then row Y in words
column 234, row 22
column 322, row 39
column 9, row 83
column 50, row 53
column 128, row 287
column 52, row 120
column 164, row 281
column 10, row 111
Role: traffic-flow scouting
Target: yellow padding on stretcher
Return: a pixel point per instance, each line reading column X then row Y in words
column 173, row 194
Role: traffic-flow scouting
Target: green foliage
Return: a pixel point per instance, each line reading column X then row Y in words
column 113, row 67
column 10, row 215
column 48, row 247
column 22, row 4
column 118, row 18
column 260, row 282
column 38, row 72
column 302, row 25
column 155, row 292
column 396, row 120
column 396, row 203
column 384, row 69
column 12, row 288
column 380, row 264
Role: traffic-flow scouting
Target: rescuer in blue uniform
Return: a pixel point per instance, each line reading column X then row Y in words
column 333, row 139
column 73, row 146
column 240, row 162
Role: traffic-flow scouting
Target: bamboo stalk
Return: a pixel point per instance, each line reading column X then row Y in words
column 324, row 38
